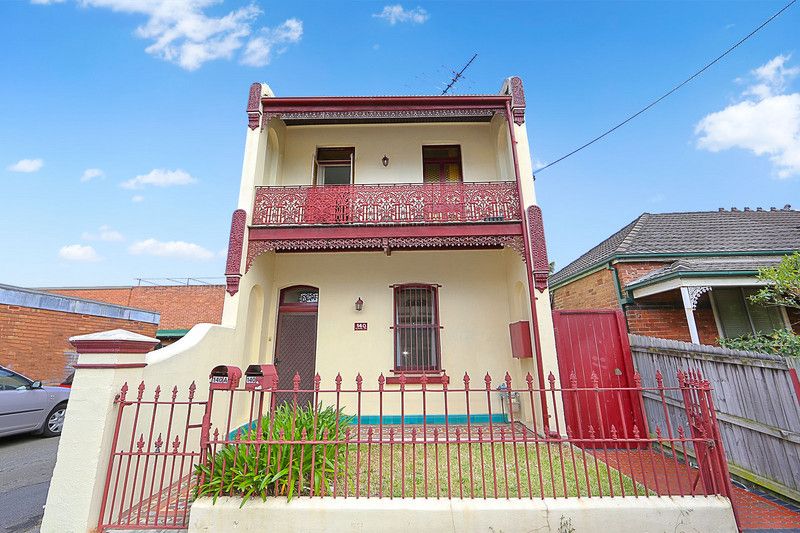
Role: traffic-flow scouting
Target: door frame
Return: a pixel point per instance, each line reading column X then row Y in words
column 295, row 308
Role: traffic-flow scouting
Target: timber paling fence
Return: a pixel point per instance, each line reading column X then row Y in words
column 757, row 400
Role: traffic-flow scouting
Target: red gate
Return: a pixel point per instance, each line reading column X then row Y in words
column 594, row 354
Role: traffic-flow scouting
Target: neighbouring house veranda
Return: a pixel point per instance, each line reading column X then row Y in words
column 386, row 335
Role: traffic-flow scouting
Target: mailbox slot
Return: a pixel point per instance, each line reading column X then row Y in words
column 225, row 377
column 260, row 377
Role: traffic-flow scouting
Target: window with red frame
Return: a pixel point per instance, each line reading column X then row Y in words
column 416, row 328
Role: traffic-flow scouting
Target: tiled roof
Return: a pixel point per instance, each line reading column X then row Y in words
column 708, row 265
column 702, row 232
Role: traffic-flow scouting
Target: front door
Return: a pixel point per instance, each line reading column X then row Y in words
column 296, row 342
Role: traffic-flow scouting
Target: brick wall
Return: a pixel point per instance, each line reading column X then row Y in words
column 35, row 341
column 662, row 315
column 595, row 291
column 181, row 306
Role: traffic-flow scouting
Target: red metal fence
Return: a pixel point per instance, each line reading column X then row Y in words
column 387, row 204
column 464, row 439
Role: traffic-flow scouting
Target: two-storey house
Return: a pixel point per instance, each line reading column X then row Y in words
column 396, row 235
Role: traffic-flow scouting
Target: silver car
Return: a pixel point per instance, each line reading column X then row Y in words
column 26, row 406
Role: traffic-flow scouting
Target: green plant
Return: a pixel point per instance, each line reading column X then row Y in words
column 780, row 342
column 783, row 283
column 278, row 469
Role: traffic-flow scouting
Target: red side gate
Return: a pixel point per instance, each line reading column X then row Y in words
column 594, row 355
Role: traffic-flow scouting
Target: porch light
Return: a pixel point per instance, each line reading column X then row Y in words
column 385, row 160
column 359, row 304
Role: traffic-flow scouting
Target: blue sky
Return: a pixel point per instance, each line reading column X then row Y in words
column 145, row 100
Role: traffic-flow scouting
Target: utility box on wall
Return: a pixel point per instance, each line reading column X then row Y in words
column 520, row 339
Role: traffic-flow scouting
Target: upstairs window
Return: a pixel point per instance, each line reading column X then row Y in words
column 416, row 328
column 441, row 164
column 738, row 316
column 334, row 166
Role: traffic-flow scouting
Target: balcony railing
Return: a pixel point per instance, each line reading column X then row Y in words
column 406, row 203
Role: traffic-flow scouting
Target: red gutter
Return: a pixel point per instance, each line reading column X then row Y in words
column 537, row 343
column 381, row 103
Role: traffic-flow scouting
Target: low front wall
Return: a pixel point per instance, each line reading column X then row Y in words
column 573, row 515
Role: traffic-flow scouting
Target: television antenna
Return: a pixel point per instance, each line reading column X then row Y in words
column 458, row 75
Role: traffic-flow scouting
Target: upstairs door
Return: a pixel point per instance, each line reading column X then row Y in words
column 296, row 342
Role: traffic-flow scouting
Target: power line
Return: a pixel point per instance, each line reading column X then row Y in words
column 668, row 93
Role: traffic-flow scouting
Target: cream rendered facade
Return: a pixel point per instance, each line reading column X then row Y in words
column 481, row 291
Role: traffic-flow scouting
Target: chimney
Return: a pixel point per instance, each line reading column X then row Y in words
column 772, row 209
column 746, row 209
column 759, row 209
column 734, row 209
column 721, row 209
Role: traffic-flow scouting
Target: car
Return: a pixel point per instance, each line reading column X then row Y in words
column 26, row 406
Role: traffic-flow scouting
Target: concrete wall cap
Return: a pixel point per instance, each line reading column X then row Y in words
column 113, row 341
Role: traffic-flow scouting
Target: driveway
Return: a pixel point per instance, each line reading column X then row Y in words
column 26, row 465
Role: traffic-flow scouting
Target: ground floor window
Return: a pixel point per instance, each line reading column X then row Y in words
column 737, row 315
column 416, row 328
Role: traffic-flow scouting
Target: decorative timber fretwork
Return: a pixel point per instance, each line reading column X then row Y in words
column 541, row 266
column 695, row 293
column 233, row 267
column 254, row 106
column 399, row 115
column 517, row 100
column 258, row 247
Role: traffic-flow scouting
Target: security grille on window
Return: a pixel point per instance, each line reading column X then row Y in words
column 334, row 166
column 738, row 316
column 416, row 328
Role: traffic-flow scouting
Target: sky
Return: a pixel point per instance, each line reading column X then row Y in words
column 122, row 122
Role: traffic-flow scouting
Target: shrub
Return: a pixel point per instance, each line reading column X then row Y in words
column 780, row 342
column 265, row 469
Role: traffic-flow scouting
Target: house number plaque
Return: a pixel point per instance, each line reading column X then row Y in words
column 360, row 326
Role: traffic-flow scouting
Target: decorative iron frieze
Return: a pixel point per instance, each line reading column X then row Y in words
column 387, row 204
column 517, row 100
column 396, row 114
column 540, row 266
column 254, row 106
column 695, row 293
column 258, row 247
column 235, row 245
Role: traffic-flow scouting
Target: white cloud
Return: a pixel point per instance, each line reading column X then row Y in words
column 78, row 252
column 90, row 173
column 397, row 13
column 766, row 122
column 159, row 177
column 180, row 31
column 258, row 51
column 176, row 249
column 104, row 233
column 26, row 165
column 136, row 198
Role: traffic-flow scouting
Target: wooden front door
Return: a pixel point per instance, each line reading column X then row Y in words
column 296, row 342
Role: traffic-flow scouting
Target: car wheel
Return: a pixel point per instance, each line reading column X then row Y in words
column 54, row 422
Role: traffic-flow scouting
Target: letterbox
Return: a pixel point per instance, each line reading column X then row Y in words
column 225, row 377
column 260, row 377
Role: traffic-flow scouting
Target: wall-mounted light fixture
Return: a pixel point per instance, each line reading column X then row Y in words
column 359, row 304
column 385, row 160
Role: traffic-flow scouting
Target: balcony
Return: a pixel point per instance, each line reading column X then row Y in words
column 392, row 204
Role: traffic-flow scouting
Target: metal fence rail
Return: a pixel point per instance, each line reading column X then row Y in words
column 414, row 439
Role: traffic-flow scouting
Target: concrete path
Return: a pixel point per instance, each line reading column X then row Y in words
column 26, row 465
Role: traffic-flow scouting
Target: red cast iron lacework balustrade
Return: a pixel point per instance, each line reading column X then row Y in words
column 423, row 203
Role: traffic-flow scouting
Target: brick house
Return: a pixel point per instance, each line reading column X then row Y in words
column 180, row 306
column 35, row 327
column 685, row 276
